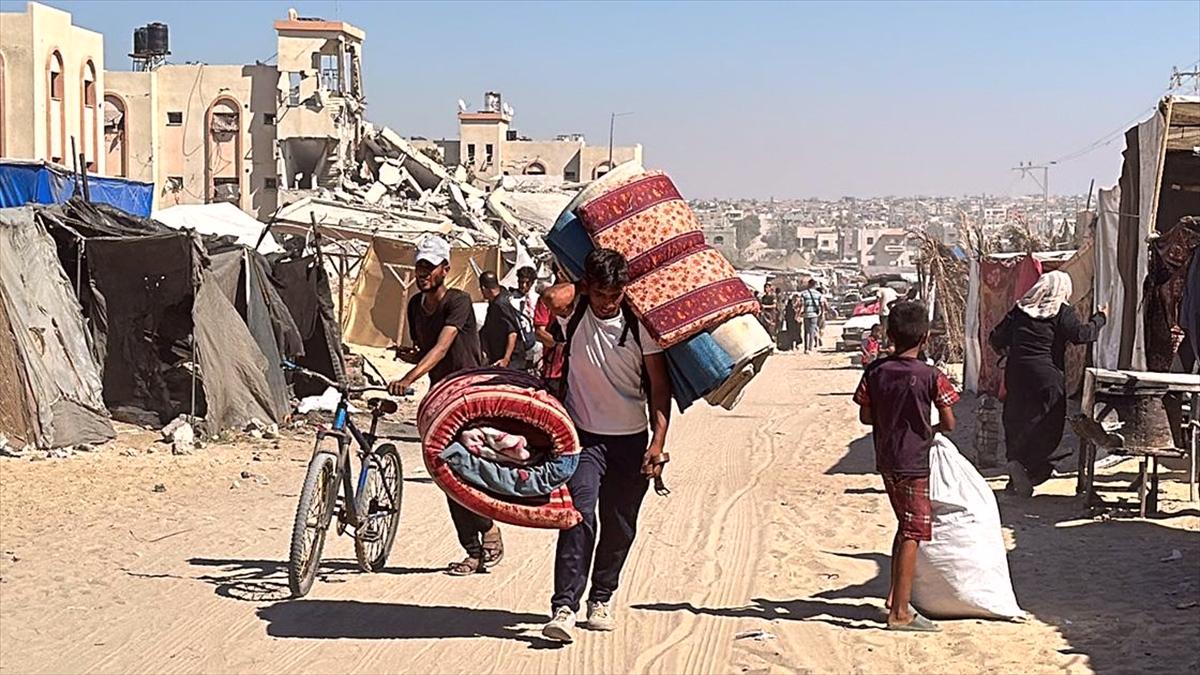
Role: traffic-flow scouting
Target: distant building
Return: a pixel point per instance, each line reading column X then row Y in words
column 880, row 247
column 488, row 146
column 820, row 242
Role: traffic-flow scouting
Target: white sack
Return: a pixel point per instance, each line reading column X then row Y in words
column 963, row 572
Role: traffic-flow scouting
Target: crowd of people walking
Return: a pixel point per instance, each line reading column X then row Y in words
column 795, row 319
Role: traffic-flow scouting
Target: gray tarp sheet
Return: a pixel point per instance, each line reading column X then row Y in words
column 49, row 380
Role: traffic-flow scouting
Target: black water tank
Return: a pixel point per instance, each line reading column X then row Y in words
column 139, row 40
column 157, row 42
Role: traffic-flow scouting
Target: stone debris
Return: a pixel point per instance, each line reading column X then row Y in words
column 159, row 487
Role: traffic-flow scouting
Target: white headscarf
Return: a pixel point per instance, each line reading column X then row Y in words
column 1048, row 295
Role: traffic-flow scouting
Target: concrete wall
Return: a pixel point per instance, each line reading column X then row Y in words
column 594, row 159
column 481, row 135
column 557, row 158
column 162, row 150
column 35, row 127
column 142, row 124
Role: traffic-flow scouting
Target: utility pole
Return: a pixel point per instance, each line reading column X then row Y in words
column 1178, row 76
column 612, row 123
column 1027, row 169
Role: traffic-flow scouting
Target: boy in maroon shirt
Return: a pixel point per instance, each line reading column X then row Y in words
column 896, row 397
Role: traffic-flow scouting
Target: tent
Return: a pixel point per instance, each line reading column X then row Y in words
column 1159, row 173
column 168, row 335
column 49, row 379
column 303, row 284
column 37, row 182
column 220, row 219
column 376, row 315
column 994, row 285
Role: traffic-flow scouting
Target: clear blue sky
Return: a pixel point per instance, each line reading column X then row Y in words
column 749, row 99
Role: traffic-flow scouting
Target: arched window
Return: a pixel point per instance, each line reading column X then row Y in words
column 223, row 151
column 601, row 169
column 89, row 116
column 535, row 169
column 116, row 144
column 56, row 109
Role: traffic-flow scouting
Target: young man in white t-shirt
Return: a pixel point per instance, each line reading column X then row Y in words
column 607, row 398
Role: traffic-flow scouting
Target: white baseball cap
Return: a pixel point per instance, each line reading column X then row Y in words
column 433, row 250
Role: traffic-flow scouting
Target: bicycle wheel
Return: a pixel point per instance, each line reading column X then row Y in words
column 378, row 503
column 313, row 514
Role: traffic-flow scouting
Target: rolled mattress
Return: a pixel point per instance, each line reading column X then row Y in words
column 502, row 397
column 679, row 285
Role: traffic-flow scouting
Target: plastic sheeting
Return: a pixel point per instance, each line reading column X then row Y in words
column 376, row 315
column 49, row 379
column 24, row 183
column 221, row 219
column 1107, row 286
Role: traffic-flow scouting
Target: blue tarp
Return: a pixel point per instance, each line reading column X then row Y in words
column 24, row 183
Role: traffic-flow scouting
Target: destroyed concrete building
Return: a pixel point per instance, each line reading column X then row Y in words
column 488, row 146
column 199, row 132
column 242, row 134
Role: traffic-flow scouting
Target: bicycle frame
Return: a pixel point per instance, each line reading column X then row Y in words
column 344, row 431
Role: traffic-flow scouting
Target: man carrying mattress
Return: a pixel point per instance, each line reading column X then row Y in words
column 441, row 323
column 613, row 370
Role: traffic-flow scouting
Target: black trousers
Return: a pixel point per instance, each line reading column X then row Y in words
column 470, row 527
column 607, row 488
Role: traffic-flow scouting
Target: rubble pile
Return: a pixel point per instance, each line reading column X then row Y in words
column 401, row 192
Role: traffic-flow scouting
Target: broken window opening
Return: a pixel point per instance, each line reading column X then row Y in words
column 294, row 80
column 174, row 119
column 223, row 126
column 571, row 176
column 174, row 184
column 226, row 190
column 535, row 169
column 471, row 154
column 489, row 154
column 331, row 73
column 269, row 119
column 270, row 183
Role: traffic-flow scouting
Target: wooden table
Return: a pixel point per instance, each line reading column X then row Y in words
column 1100, row 381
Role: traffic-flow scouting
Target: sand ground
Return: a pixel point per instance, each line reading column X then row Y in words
column 776, row 523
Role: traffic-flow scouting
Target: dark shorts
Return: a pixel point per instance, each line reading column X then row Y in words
column 910, row 501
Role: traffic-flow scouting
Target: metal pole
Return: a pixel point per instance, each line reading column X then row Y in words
column 612, row 123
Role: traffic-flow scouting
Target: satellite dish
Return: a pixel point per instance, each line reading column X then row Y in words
column 462, row 105
column 508, row 110
column 512, row 112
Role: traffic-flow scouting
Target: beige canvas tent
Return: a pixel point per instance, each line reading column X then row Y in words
column 375, row 314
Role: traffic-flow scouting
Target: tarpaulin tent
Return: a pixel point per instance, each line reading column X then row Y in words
column 1158, row 174
column 25, row 182
column 303, row 284
column 376, row 315
column 221, row 219
column 168, row 336
column 995, row 283
column 50, row 391
column 245, row 278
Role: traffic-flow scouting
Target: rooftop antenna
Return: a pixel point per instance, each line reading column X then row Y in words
column 462, row 105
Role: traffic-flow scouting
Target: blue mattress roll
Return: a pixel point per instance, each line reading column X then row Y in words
column 569, row 243
column 697, row 366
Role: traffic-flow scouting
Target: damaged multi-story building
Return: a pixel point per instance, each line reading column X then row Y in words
column 489, row 146
column 245, row 134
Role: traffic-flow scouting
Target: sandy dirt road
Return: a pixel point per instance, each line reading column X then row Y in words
column 776, row 522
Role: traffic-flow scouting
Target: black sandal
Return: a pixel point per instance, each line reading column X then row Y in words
column 493, row 547
column 466, row 568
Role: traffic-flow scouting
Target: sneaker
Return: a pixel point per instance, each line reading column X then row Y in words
column 599, row 617
column 1018, row 480
column 560, row 626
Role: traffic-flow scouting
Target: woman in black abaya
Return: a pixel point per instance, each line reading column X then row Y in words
column 1033, row 338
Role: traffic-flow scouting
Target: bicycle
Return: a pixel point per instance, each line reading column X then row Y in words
column 370, row 507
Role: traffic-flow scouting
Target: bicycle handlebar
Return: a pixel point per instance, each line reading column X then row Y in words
column 288, row 365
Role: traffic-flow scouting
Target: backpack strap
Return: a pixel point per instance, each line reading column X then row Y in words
column 581, row 307
column 632, row 327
